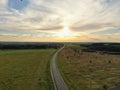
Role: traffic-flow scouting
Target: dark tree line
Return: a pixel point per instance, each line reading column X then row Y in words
column 30, row 46
column 105, row 47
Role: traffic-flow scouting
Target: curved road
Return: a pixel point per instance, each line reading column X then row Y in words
column 56, row 76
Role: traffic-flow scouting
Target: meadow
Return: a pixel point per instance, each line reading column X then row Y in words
column 26, row 69
column 89, row 70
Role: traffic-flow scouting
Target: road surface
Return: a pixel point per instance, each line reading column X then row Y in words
column 56, row 76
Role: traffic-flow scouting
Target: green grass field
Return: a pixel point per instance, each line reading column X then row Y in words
column 26, row 69
column 89, row 70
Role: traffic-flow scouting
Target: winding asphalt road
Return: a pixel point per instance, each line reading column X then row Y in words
column 56, row 76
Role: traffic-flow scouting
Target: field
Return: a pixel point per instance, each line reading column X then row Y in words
column 89, row 70
column 26, row 69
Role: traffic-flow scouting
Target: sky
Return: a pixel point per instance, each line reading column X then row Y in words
column 60, row 20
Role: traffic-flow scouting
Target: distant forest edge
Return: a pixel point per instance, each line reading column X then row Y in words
column 8, row 46
column 109, row 48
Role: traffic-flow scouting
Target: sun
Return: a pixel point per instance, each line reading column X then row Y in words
column 65, row 32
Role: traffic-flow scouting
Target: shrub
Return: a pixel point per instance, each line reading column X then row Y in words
column 90, row 61
column 109, row 61
column 105, row 87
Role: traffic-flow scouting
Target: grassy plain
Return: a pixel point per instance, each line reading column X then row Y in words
column 25, row 69
column 89, row 70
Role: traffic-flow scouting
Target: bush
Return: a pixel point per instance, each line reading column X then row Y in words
column 105, row 87
column 90, row 61
column 109, row 61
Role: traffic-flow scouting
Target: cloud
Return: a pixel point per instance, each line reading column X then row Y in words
column 92, row 26
column 50, row 28
column 50, row 16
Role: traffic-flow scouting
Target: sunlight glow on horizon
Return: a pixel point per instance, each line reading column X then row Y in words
column 66, row 32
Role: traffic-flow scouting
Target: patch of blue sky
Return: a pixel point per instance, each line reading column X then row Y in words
column 112, row 31
column 21, row 32
column 18, row 4
column 16, row 32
